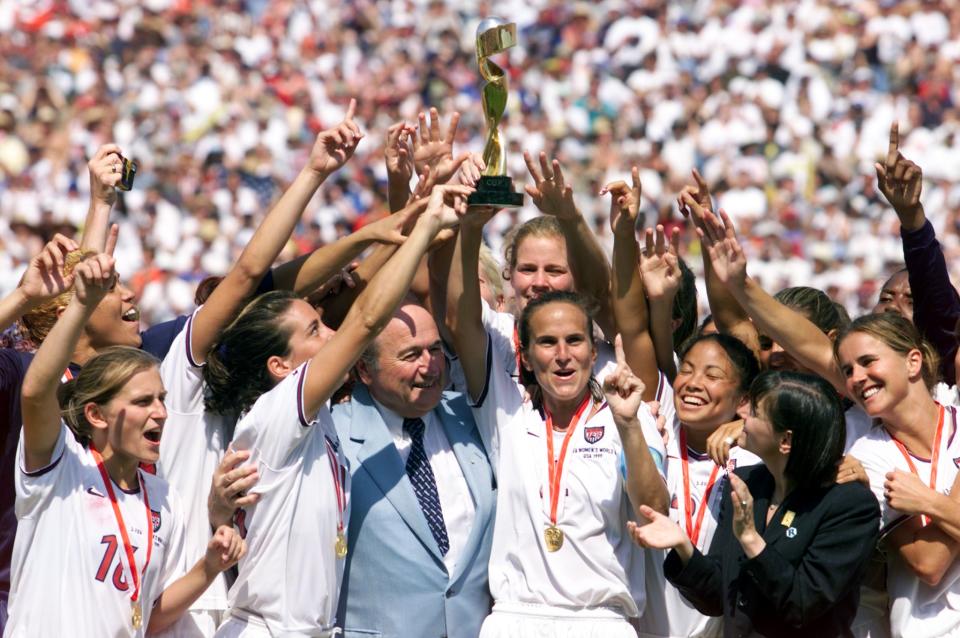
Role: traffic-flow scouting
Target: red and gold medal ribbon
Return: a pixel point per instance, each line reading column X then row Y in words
column 693, row 530
column 934, row 459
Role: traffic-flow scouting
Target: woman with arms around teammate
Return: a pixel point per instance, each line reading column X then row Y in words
column 98, row 540
column 278, row 365
column 791, row 545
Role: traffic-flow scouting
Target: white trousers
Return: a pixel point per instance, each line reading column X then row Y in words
column 242, row 624
column 518, row 620
column 201, row 623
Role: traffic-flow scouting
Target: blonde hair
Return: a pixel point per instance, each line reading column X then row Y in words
column 543, row 226
column 900, row 335
column 490, row 270
column 100, row 380
column 38, row 322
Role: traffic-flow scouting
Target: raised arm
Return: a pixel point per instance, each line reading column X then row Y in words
column 42, row 281
column 626, row 286
column 588, row 263
column 464, row 312
column 695, row 203
column 624, row 392
column 795, row 333
column 104, row 169
column 660, row 267
column 374, row 307
column 936, row 304
column 331, row 150
column 93, row 278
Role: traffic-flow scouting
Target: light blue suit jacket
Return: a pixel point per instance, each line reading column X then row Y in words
column 395, row 584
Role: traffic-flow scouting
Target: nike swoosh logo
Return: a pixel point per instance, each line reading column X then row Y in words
column 94, row 491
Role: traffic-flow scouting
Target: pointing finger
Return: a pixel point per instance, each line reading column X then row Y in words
column 618, row 347
column 112, row 239
column 351, row 109
column 893, row 148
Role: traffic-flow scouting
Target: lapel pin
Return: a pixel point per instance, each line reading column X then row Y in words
column 787, row 518
column 791, row 532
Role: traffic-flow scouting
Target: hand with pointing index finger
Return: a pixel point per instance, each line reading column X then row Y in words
column 623, row 389
column 95, row 276
column 901, row 181
column 336, row 145
column 624, row 203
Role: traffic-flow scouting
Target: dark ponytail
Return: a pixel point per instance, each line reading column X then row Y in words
column 236, row 371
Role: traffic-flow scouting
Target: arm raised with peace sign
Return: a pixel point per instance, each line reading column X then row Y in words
column 623, row 391
column 94, row 277
column 901, row 181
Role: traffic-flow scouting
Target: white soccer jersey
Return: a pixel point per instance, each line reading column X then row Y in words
column 70, row 571
column 917, row 610
column 291, row 575
column 668, row 613
column 598, row 565
column 192, row 447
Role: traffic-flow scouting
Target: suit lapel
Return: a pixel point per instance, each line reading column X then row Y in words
column 378, row 456
column 476, row 472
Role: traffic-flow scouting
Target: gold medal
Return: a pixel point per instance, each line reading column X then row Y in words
column 553, row 537
column 136, row 615
column 340, row 546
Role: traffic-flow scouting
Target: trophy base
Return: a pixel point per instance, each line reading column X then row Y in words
column 495, row 190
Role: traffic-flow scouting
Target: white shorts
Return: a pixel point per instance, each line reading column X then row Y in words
column 519, row 620
column 242, row 624
column 196, row 623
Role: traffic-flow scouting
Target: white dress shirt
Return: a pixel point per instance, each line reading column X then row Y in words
column 456, row 501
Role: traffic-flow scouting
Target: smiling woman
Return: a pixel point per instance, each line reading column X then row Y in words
column 889, row 372
column 561, row 563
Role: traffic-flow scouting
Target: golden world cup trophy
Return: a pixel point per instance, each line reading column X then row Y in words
column 495, row 188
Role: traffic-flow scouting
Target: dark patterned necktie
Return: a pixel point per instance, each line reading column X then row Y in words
column 424, row 484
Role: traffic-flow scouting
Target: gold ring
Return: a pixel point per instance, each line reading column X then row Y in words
column 743, row 503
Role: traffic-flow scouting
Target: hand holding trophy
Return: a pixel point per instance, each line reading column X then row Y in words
column 495, row 187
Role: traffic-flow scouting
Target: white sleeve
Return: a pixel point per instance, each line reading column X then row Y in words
column 877, row 461
column 182, row 376
column 277, row 423
column 499, row 402
column 35, row 489
column 501, row 327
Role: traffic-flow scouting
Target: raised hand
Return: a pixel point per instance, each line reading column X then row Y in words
column 471, row 170
column 726, row 254
column 901, row 181
column 624, row 203
column 551, row 194
column 660, row 264
column 700, row 193
column 44, row 278
column 433, row 148
column 659, row 533
column 224, row 550
column 743, row 525
column 336, row 145
column 95, row 276
column 397, row 152
column 448, row 203
column 623, row 389
column 105, row 173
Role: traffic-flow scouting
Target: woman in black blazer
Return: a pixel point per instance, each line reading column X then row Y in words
column 791, row 545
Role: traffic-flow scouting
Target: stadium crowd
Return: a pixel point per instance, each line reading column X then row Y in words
column 783, row 106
